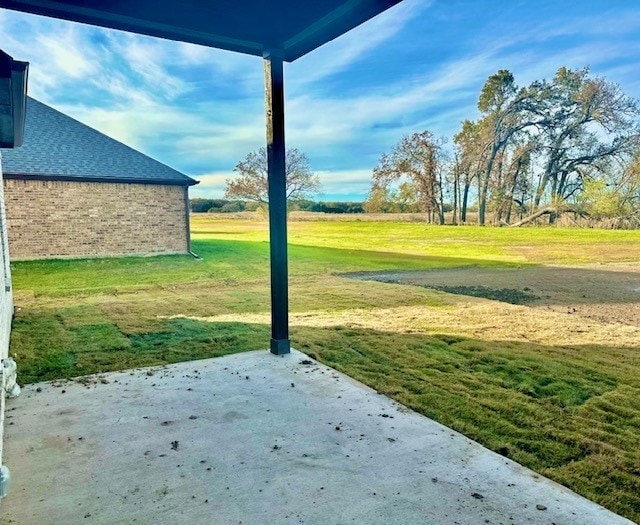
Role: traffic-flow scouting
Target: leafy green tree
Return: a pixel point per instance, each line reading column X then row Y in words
column 511, row 180
column 378, row 200
column 471, row 144
column 587, row 123
column 508, row 112
column 614, row 196
column 416, row 166
column 561, row 132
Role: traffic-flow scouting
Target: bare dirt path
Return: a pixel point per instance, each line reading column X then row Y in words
column 606, row 293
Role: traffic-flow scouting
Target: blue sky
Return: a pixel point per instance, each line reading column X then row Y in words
column 418, row 66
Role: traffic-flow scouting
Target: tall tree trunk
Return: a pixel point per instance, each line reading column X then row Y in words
column 483, row 186
column 439, row 200
column 511, row 191
column 542, row 185
column 553, row 215
column 482, row 201
column 455, row 196
column 465, row 200
column 507, row 215
column 562, row 184
column 500, row 183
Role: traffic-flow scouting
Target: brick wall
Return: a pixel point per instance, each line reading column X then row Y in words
column 88, row 219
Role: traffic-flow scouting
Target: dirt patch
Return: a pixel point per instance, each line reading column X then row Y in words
column 606, row 293
column 506, row 295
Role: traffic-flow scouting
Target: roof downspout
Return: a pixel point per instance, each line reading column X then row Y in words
column 187, row 223
column 13, row 85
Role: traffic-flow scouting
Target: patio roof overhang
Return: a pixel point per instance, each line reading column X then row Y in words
column 246, row 26
column 278, row 30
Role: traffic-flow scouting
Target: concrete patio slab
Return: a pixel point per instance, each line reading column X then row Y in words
column 257, row 439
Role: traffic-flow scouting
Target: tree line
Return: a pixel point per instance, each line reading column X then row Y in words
column 200, row 205
column 569, row 144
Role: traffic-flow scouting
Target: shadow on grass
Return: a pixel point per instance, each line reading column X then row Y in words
column 46, row 349
column 559, row 411
column 220, row 259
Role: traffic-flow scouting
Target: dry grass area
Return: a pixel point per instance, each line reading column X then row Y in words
column 305, row 216
column 551, row 382
column 468, row 317
column 566, row 220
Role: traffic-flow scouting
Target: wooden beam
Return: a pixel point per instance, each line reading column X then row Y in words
column 276, row 152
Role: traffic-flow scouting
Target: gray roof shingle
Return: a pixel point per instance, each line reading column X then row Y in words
column 58, row 147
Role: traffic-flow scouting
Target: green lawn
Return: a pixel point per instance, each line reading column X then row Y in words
column 571, row 412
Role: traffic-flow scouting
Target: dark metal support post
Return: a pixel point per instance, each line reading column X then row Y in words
column 274, row 99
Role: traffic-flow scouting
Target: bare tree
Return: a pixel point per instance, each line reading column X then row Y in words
column 251, row 182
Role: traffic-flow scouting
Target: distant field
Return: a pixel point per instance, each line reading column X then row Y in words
column 473, row 243
column 551, row 381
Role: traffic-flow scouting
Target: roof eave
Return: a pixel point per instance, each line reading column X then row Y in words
column 120, row 180
column 350, row 14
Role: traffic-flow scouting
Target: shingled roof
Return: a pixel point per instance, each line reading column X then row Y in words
column 58, row 147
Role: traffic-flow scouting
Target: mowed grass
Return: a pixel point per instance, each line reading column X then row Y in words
column 515, row 245
column 568, row 407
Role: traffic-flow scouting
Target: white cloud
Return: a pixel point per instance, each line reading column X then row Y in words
column 211, row 184
column 345, row 182
column 59, row 53
column 612, row 24
column 62, row 50
column 313, row 119
column 222, row 142
column 337, row 55
column 219, row 62
column 145, row 60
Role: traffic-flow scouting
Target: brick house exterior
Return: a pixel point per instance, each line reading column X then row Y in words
column 71, row 191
